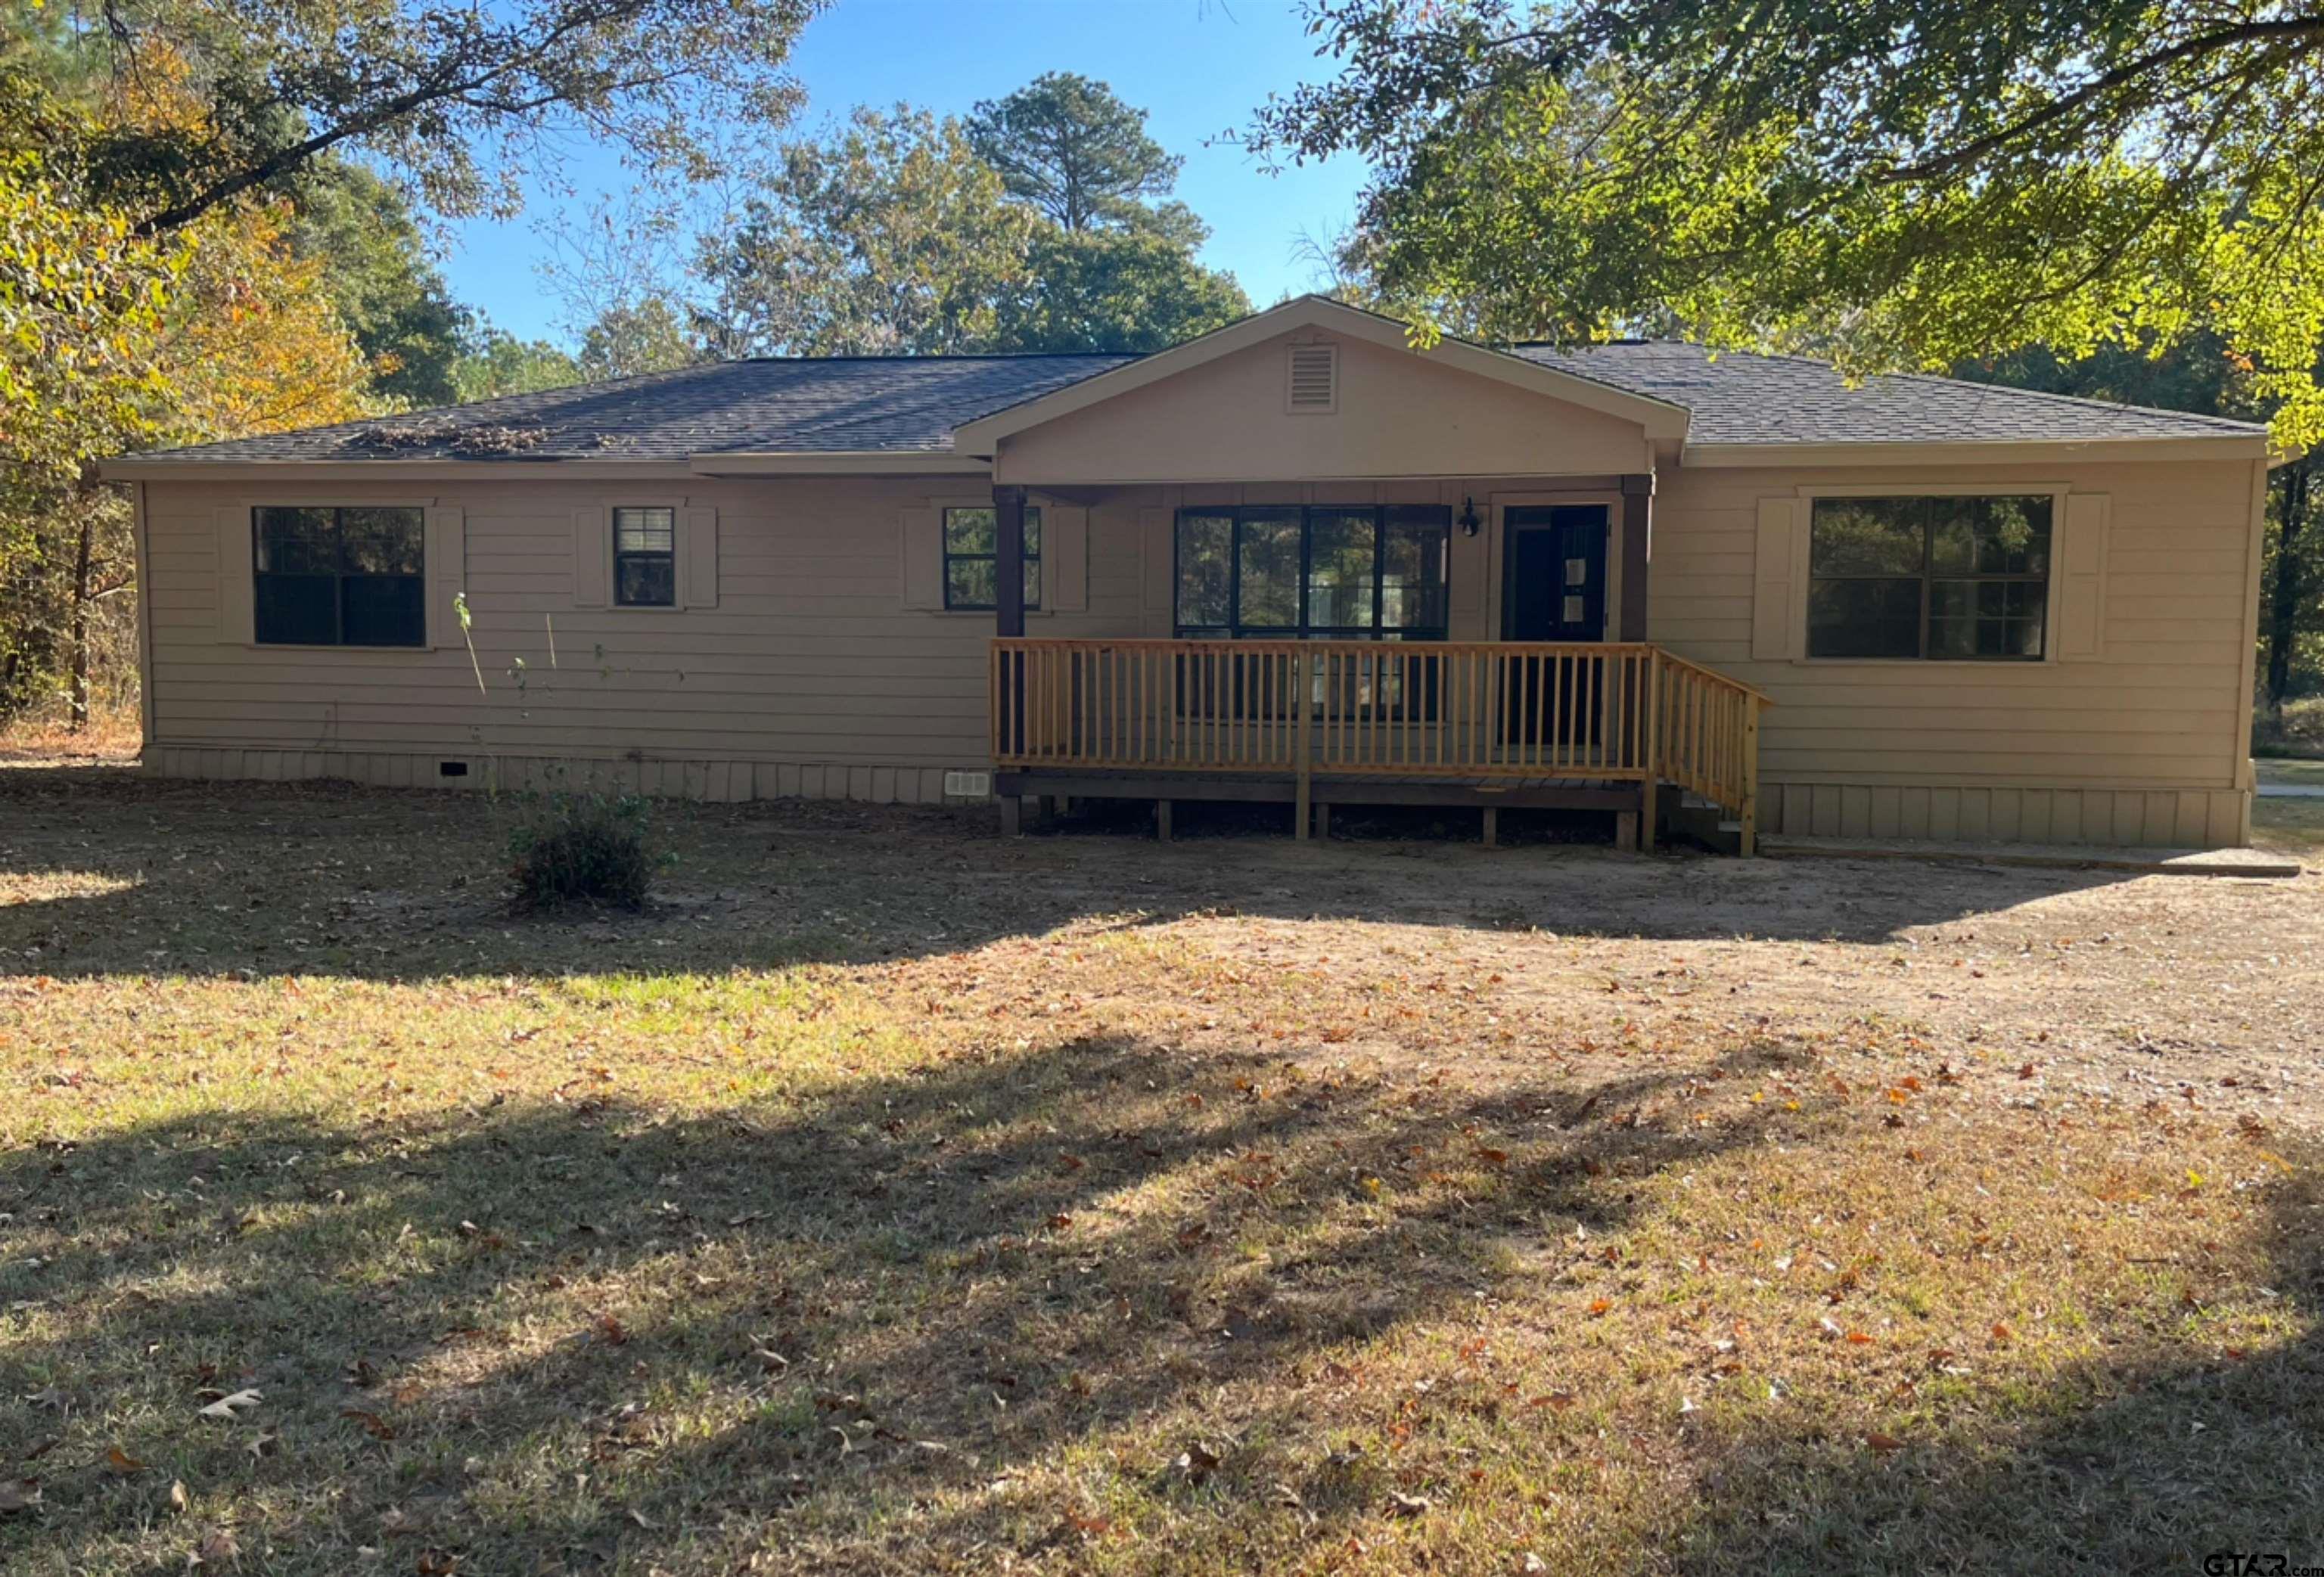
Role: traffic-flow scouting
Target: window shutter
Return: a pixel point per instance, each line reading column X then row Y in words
column 2082, row 571
column 701, row 552
column 593, row 556
column 236, row 566
column 1313, row 379
column 1065, row 558
column 1157, row 541
column 923, row 552
column 1776, row 635
column 447, row 574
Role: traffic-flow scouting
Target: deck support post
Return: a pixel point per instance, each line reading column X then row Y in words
column 1303, row 696
column 1324, row 819
column 1649, row 814
column 1162, row 820
column 1013, row 816
column 1748, row 844
column 1492, row 826
column 1626, row 831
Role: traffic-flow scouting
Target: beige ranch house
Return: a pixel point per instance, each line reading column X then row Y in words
column 1293, row 560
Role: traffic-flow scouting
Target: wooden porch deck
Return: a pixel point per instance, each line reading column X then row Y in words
column 1492, row 724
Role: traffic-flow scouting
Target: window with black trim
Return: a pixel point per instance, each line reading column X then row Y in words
column 330, row 576
column 1953, row 578
column 645, row 558
column 1361, row 572
column 971, row 546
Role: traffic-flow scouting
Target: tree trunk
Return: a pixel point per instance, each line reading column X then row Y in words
column 2293, row 546
column 80, row 616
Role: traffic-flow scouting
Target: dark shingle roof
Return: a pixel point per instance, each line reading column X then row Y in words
column 911, row 404
column 847, row 403
column 1739, row 397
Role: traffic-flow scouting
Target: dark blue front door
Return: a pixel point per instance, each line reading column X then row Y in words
column 1553, row 588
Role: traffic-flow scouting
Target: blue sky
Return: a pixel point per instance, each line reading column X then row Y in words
column 1198, row 67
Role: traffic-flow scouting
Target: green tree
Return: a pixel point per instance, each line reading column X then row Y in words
column 1893, row 183
column 1073, row 150
column 1115, row 291
column 889, row 237
column 392, row 296
column 894, row 236
column 497, row 363
column 652, row 335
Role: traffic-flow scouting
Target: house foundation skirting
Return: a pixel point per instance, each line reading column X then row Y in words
column 2104, row 817
column 724, row 781
column 2129, row 818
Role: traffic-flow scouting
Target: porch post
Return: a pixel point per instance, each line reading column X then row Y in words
column 1009, row 561
column 1009, row 620
column 1635, row 832
column 1637, row 553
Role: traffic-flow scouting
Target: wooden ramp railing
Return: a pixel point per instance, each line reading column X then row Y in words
column 1479, row 711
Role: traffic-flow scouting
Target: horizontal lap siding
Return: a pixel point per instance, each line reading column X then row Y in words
column 809, row 676
column 2141, row 746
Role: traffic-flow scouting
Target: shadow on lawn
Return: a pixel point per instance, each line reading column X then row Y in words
column 2147, row 1465
column 332, row 880
column 955, row 1268
column 968, row 1273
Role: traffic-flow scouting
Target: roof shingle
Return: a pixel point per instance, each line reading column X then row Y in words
column 912, row 404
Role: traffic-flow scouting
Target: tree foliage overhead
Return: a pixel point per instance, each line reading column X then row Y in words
column 1890, row 182
column 454, row 99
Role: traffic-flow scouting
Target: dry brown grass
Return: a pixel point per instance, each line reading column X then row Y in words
column 111, row 738
column 893, row 1198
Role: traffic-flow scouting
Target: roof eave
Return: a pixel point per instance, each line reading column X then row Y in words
column 840, row 463
column 2226, row 445
column 182, row 466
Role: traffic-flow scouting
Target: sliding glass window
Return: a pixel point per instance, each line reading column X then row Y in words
column 1357, row 572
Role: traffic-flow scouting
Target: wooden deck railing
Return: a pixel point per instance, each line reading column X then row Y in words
column 1482, row 711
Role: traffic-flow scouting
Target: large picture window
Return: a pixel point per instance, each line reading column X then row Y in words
column 1953, row 578
column 1354, row 572
column 971, row 553
column 339, row 577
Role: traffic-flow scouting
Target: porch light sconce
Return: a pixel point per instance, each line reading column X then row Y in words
column 1468, row 523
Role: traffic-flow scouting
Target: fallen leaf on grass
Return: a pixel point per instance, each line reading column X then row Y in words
column 180, row 1499
column 223, row 1408
column 216, row 1546
column 1883, row 1443
column 1403, row 1504
column 19, row 1494
column 120, row 1461
column 377, row 1428
column 1197, row 1461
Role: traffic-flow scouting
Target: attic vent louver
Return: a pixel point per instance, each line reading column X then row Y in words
column 1314, row 380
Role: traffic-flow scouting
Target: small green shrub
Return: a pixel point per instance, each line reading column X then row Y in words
column 582, row 849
